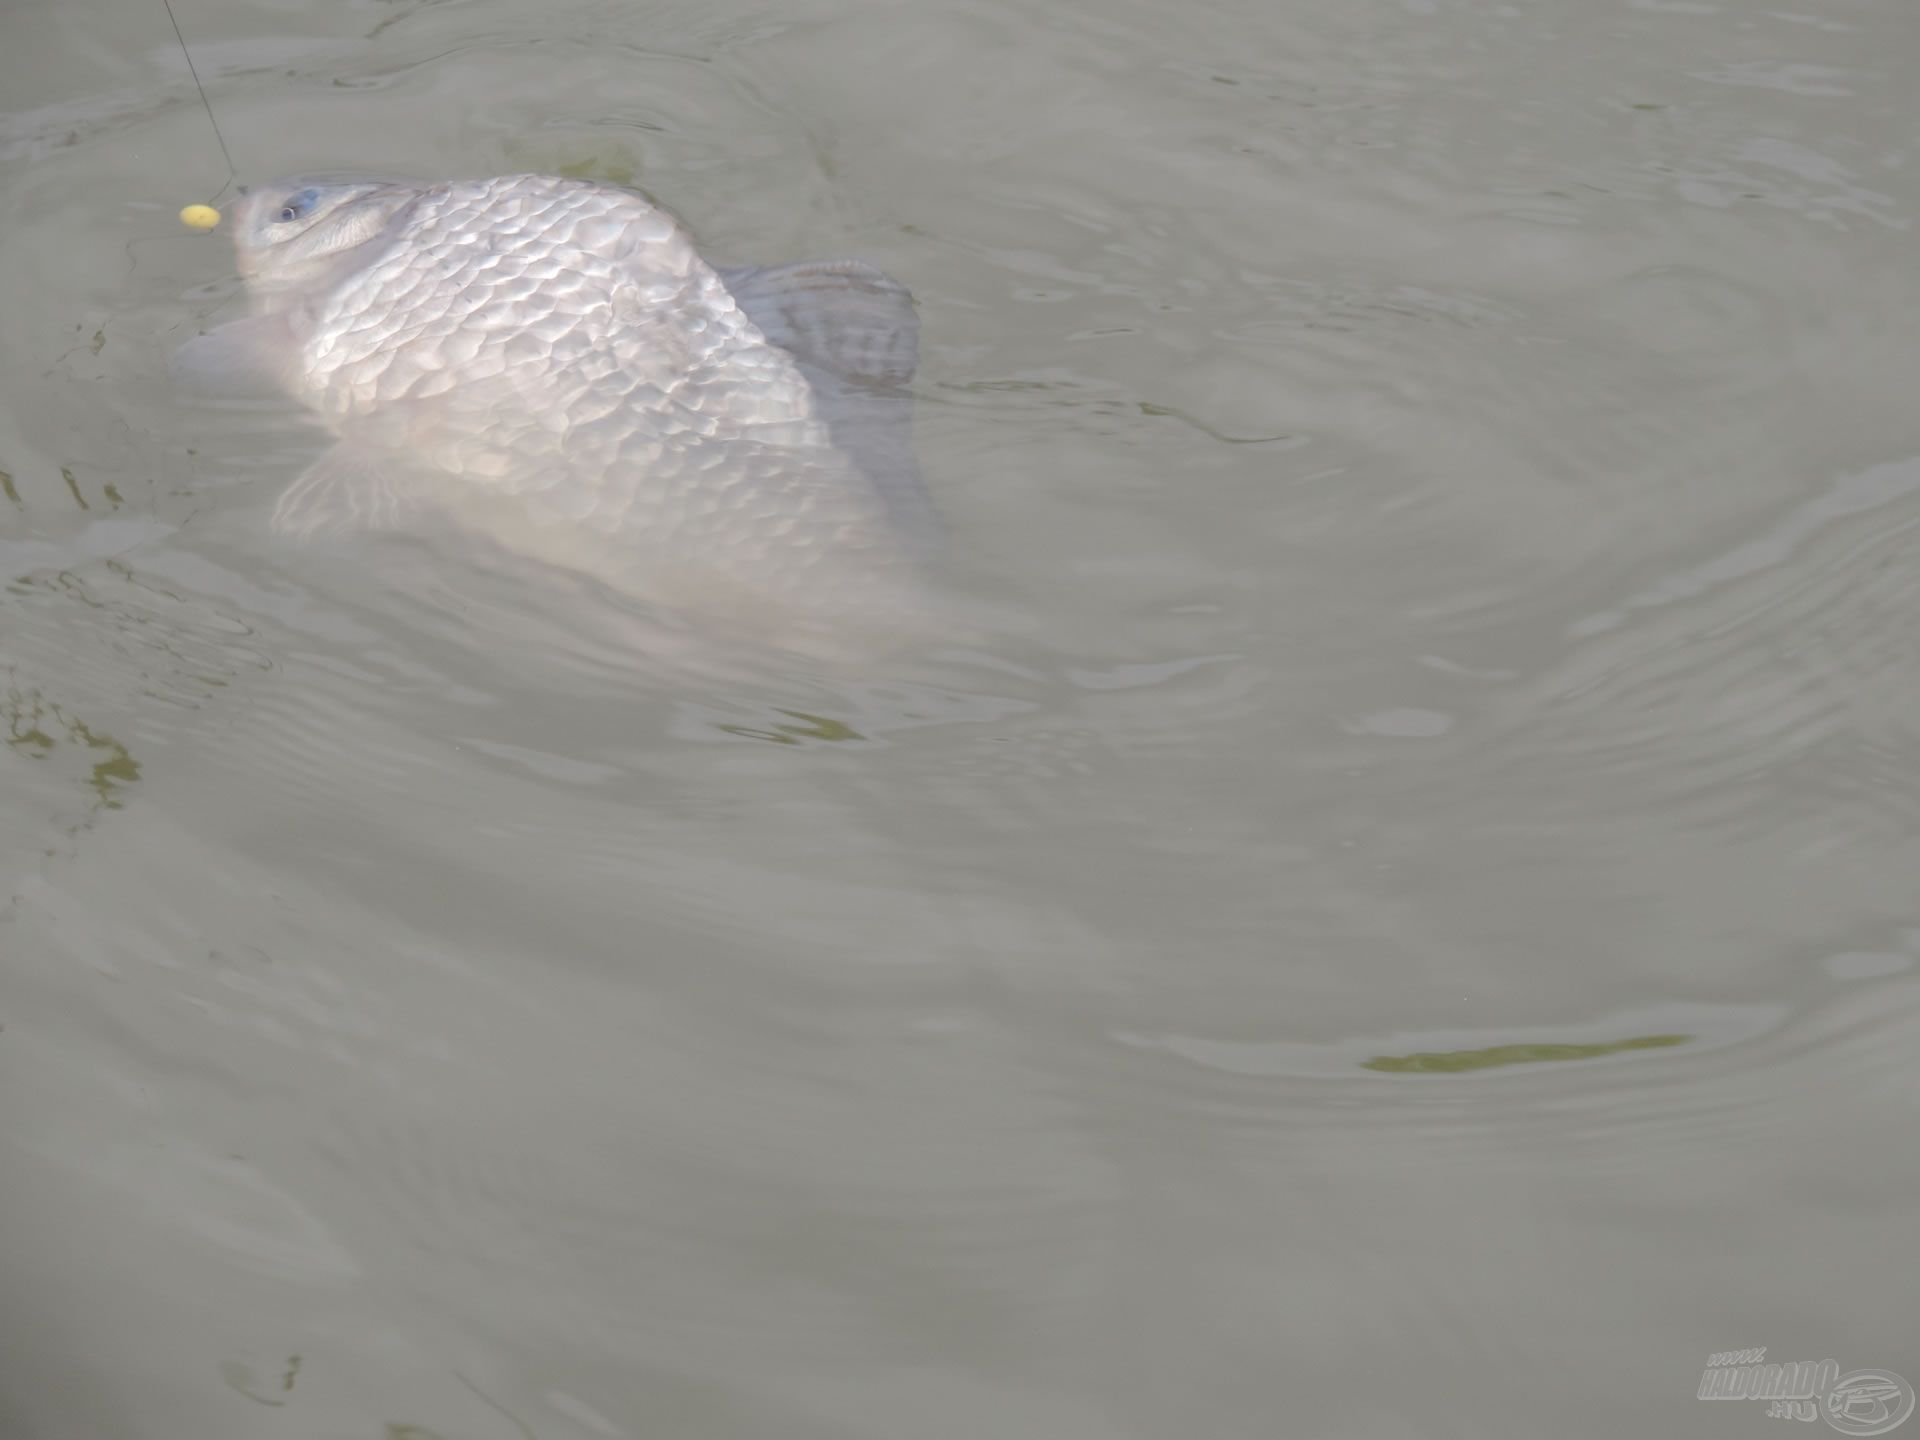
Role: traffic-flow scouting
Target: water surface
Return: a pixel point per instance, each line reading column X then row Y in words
column 1406, row 926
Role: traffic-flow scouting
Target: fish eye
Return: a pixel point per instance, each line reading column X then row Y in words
column 298, row 205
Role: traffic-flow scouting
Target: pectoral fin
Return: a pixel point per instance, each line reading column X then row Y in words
column 253, row 356
column 351, row 487
column 841, row 315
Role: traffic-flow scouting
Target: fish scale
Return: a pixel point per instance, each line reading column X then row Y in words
column 551, row 363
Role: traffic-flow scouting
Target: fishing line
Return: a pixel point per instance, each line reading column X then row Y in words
column 195, row 73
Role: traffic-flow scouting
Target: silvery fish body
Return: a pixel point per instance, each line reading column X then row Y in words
column 551, row 362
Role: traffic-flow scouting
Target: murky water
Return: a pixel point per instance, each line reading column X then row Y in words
column 1406, row 927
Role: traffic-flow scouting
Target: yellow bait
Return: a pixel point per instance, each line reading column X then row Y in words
column 200, row 217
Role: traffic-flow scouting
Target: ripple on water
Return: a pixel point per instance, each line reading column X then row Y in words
column 1425, row 871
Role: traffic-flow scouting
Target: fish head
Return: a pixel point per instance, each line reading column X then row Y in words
column 295, row 235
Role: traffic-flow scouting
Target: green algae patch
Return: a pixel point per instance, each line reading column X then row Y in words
column 36, row 728
column 607, row 160
column 811, row 729
column 1453, row 1062
column 612, row 167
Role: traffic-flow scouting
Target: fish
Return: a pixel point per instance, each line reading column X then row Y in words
column 551, row 363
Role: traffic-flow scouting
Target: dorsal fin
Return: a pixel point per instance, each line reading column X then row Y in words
column 853, row 332
column 844, row 316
